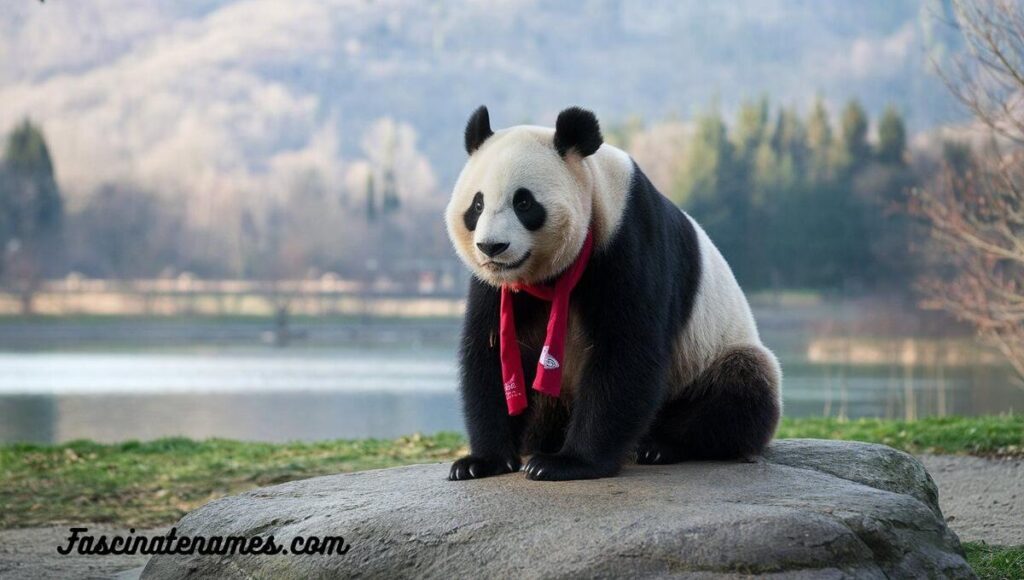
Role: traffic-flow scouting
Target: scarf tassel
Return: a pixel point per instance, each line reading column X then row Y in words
column 549, row 367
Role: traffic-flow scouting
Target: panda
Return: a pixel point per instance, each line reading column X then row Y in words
column 660, row 360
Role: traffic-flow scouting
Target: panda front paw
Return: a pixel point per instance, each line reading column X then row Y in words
column 477, row 466
column 650, row 452
column 564, row 467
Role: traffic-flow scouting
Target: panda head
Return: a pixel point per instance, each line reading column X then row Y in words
column 521, row 207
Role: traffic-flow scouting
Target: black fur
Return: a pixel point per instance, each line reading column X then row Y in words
column 730, row 412
column 633, row 299
column 478, row 129
column 577, row 129
column 529, row 211
column 494, row 435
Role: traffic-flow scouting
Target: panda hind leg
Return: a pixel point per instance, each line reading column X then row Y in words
column 729, row 412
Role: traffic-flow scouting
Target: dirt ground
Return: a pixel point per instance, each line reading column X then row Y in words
column 982, row 499
column 31, row 553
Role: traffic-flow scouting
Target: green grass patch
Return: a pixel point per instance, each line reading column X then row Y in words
column 156, row 482
column 997, row 436
column 995, row 562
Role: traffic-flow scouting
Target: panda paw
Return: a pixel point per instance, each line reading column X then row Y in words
column 477, row 466
column 650, row 452
column 561, row 467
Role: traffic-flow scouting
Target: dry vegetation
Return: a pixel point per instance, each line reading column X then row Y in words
column 976, row 208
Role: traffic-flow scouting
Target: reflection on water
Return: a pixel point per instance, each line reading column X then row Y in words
column 246, row 371
column 354, row 391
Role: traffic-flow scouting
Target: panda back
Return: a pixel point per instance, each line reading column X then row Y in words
column 721, row 317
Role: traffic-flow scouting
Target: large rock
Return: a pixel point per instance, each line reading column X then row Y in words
column 807, row 509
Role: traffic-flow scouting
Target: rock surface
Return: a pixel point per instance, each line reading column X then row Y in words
column 807, row 509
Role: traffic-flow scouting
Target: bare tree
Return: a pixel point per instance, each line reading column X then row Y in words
column 976, row 208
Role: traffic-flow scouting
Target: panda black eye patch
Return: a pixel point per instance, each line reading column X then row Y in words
column 530, row 213
column 472, row 214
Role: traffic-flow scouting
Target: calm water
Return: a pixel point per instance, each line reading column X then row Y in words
column 317, row 391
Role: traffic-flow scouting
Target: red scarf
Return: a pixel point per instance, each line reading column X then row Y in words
column 549, row 368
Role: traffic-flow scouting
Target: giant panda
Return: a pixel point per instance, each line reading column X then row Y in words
column 662, row 359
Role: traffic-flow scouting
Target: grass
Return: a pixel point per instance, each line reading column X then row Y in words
column 156, row 482
column 995, row 562
column 993, row 436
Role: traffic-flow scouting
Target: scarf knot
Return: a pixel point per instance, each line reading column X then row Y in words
column 549, row 367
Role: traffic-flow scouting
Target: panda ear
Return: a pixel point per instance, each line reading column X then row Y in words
column 478, row 129
column 577, row 129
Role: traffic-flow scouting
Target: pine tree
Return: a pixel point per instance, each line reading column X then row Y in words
column 892, row 138
column 751, row 128
column 708, row 157
column 31, row 212
column 851, row 216
column 852, row 150
column 795, row 203
column 30, row 199
column 786, row 205
column 789, row 139
column 891, row 179
column 712, row 188
column 819, row 142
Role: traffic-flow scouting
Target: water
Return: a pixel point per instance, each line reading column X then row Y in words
column 392, row 383
column 255, row 394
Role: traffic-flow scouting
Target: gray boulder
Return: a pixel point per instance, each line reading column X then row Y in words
column 807, row 509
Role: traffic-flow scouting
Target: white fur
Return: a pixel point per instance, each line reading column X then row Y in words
column 606, row 175
column 721, row 319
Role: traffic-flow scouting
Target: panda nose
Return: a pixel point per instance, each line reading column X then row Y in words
column 492, row 249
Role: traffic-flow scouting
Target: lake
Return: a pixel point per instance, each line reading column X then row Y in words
column 150, row 379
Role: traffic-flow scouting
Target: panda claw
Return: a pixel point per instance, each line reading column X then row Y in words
column 651, row 453
column 477, row 466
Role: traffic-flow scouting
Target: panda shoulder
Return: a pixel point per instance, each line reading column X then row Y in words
column 612, row 171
